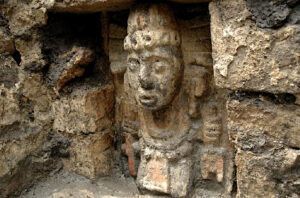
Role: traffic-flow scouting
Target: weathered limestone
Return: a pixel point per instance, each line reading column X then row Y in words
column 30, row 148
column 79, row 6
column 272, row 174
column 69, row 66
column 196, row 44
column 271, row 14
column 85, row 117
column 171, row 126
column 8, row 71
column 23, row 17
column 89, row 6
column 255, row 48
column 265, row 131
column 32, row 58
column 6, row 40
column 91, row 156
column 15, row 158
column 84, row 111
column 26, row 155
column 255, row 123
column 247, row 57
column 27, row 151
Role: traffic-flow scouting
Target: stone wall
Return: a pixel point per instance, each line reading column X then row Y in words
column 57, row 96
column 256, row 56
column 69, row 101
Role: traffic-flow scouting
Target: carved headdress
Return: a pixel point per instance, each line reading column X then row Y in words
column 151, row 25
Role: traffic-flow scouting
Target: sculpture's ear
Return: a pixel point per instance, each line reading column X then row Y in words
column 195, row 78
column 117, row 55
column 196, row 82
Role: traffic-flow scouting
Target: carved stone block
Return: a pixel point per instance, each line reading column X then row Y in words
column 156, row 175
column 181, row 178
column 212, row 127
column 212, row 164
column 175, row 102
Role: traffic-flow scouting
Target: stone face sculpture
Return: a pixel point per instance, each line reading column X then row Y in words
column 177, row 111
column 154, row 79
column 155, row 61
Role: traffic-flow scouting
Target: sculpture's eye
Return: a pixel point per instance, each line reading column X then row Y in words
column 133, row 64
column 159, row 66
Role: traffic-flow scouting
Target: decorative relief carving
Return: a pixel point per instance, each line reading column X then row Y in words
column 154, row 76
column 212, row 127
column 169, row 103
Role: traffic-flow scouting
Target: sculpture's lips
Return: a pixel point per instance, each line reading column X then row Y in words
column 147, row 100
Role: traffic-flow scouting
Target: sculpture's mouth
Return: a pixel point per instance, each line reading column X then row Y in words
column 147, row 100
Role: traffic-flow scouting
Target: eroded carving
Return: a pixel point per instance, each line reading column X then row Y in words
column 172, row 104
column 154, row 77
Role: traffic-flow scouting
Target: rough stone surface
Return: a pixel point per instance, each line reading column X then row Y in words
column 117, row 55
column 70, row 65
column 31, row 149
column 27, row 154
column 248, row 57
column 8, row 71
column 91, row 156
column 265, row 131
column 270, row 14
column 24, row 130
column 90, row 6
column 84, row 111
column 6, row 39
column 256, row 123
column 272, row 174
column 183, row 103
column 79, row 6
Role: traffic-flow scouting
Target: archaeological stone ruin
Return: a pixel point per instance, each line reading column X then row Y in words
column 145, row 99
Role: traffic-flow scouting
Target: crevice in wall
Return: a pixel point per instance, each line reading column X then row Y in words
column 282, row 98
column 17, row 57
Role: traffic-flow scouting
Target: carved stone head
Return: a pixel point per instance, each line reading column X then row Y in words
column 154, row 60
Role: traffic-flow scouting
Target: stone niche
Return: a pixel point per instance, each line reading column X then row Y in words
column 131, row 89
column 168, row 112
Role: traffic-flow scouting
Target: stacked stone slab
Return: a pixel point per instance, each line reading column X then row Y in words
column 256, row 52
column 33, row 104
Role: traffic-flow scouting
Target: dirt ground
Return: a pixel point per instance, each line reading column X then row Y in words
column 69, row 185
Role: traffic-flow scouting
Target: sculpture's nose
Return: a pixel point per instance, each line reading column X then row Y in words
column 146, row 84
column 145, row 78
